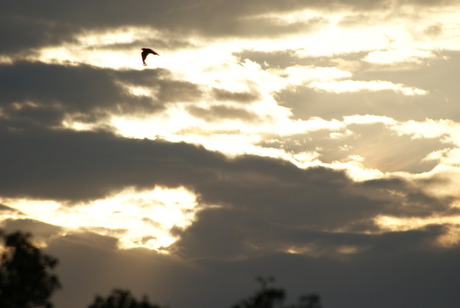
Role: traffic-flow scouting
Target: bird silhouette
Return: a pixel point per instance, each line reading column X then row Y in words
column 146, row 52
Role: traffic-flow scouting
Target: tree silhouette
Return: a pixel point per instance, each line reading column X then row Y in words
column 121, row 299
column 271, row 297
column 27, row 281
column 26, row 278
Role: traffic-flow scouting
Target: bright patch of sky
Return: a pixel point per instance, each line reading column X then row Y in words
column 137, row 218
column 376, row 39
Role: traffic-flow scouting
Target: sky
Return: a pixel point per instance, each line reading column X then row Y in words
column 314, row 141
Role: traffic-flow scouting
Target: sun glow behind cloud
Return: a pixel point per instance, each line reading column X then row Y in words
column 137, row 218
column 330, row 133
column 389, row 36
column 349, row 86
column 396, row 224
column 383, row 40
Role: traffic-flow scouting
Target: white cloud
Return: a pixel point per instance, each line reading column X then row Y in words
column 447, row 130
column 350, row 86
column 137, row 218
column 398, row 56
column 368, row 119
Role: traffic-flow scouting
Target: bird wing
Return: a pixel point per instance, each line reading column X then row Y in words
column 144, row 54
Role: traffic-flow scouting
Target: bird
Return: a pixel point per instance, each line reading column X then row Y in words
column 146, row 52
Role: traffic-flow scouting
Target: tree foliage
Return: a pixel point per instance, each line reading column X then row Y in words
column 121, row 299
column 27, row 281
column 26, row 274
column 272, row 297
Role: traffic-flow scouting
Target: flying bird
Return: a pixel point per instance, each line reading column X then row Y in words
column 146, row 52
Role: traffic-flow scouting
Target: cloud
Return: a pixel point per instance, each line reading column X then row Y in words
column 243, row 97
column 256, row 215
column 138, row 218
column 41, row 232
column 394, row 99
column 28, row 26
column 78, row 166
column 307, row 153
column 366, row 140
column 47, row 93
column 77, row 88
column 222, row 112
column 340, row 282
column 395, row 57
column 356, row 85
column 31, row 26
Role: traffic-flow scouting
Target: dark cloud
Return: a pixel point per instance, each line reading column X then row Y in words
column 222, row 112
column 165, row 42
column 433, row 30
column 43, row 94
column 91, row 264
column 306, row 102
column 253, row 210
column 368, row 141
column 243, row 97
column 409, row 198
column 356, row 20
column 371, row 142
column 280, row 192
column 26, row 30
column 247, row 233
column 87, row 165
column 28, row 25
column 77, row 88
column 256, row 220
column 31, row 116
column 430, row 2
column 265, row 207
column 4, row 208
column 277, row 59
column 289, row 57
column 405, row 264
column 264, row 27
column 38, row 229
column 72, row 166
column 437, row 76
